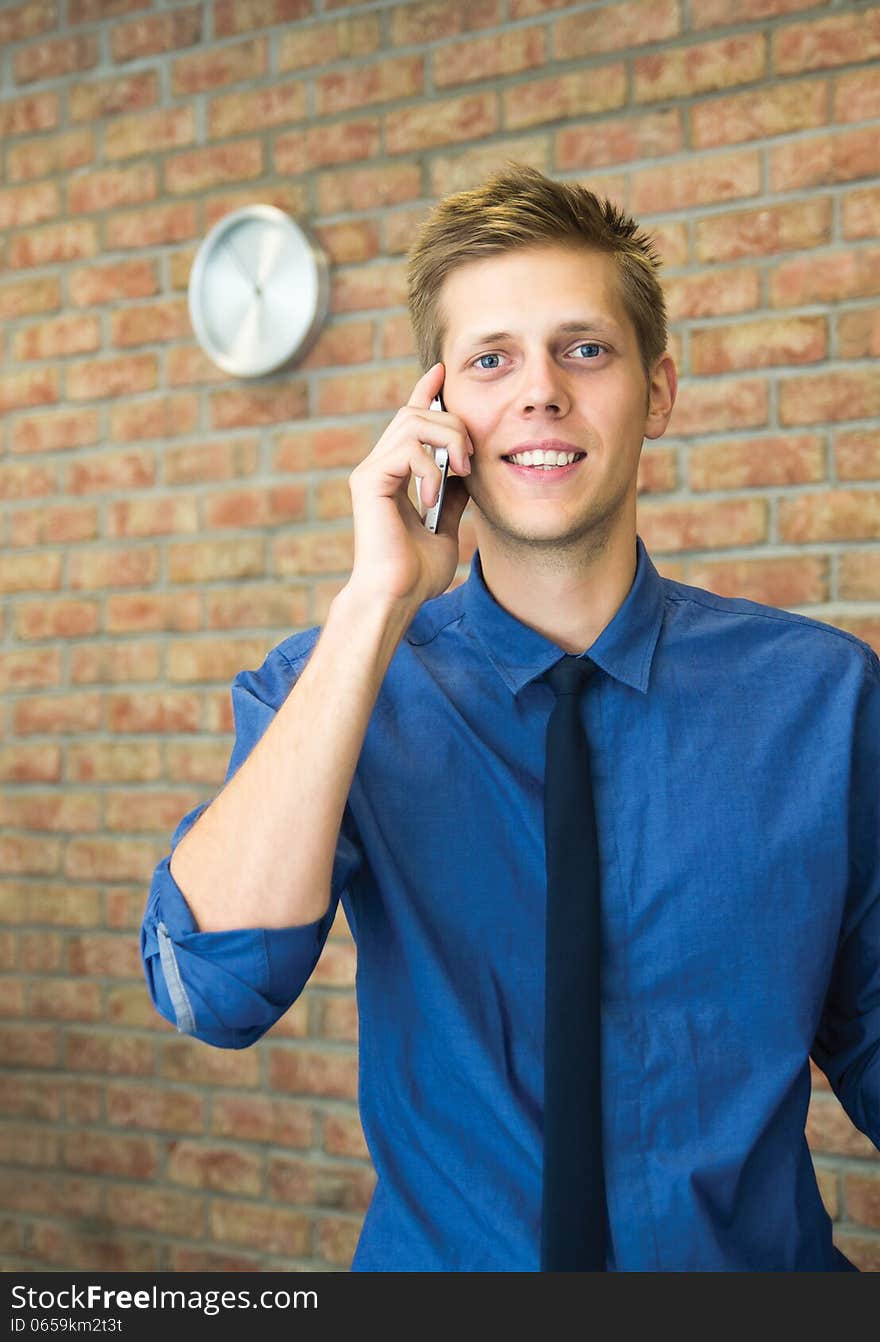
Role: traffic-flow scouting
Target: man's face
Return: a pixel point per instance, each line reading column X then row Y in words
column 585, row 386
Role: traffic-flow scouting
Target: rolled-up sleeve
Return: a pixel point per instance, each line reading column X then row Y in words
column 228, row 988
column 847, row 1044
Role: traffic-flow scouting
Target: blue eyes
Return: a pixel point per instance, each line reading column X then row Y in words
column 587, row 344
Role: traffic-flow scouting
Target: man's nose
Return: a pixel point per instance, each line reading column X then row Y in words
column 543, row 386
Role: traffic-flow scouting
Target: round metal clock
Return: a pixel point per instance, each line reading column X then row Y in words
column 259, row 291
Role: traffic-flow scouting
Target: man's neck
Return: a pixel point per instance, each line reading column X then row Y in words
column 570, row 605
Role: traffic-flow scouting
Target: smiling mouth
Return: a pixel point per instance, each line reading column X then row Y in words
column 543, row 472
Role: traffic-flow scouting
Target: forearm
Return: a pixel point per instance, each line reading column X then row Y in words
column 261, row 855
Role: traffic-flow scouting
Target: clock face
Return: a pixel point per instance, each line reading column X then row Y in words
column 258, row 291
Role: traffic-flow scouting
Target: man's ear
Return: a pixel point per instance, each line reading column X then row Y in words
column 662, row 387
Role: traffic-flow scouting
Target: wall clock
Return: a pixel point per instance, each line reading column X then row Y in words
column 259, row 291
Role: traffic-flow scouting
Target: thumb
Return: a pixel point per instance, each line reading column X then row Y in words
column 455, row 500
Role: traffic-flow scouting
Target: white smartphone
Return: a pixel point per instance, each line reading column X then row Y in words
column 441, row 457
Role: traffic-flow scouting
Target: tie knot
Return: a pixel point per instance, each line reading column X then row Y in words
column 569, row 674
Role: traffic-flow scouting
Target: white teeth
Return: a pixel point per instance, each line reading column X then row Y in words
column 545, row 459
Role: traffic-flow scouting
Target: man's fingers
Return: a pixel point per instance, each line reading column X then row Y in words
column 427, row 387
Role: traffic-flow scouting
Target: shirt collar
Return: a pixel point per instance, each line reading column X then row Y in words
column 624, row 649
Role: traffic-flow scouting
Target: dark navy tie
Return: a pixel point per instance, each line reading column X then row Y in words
column 573, row 1212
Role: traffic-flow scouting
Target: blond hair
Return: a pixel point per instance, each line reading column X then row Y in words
column 518, row 206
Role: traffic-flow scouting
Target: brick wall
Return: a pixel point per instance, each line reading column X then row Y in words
column 164, row 525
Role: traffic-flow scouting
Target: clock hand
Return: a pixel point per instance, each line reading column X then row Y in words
column 238, row 261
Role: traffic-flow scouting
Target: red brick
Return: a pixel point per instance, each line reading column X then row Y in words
column 757, row 461
column 161, row 1108
column 839, row 157
column 29, row 669
column 259, row 405
column 57, row 431
column 504, row 53
column 276, row 105
column 152, row 516
column 261, row 1118
column 310, row 1072
column 759, row 344
column 834, row 514
column 129, row 762
column 233, row 608
column 65, row 999
column 31, row 1097
column 208, row 560
column 320, row 1183
column 30, row 573
column 704, row 525
column 109, row 859
column 340, row 142
column 112, row 663
column 696, row 181
column 55, row 57
column 56, row 338
column 32, row 204
column 209, row 69
column 819, row 44
column 73, row 1249
column 98, row 1153
column 858, row 334
column 90, row 192
column 94, row 285
column 315, row 553
column 129, row 469
column 368, row 188
column 151, row 323
column 202, row 1165
column 156, row 1209
column 63, row 619
column 197, row 169
column 856, row 96
column 760, row 113
column 68, row 241
column 842, row 394
column 23, row 763
column 50, row 155
column 99, row 378
column 829, row 1131
column 858, row 576
column 427, row 21
column 727, row 237
column 232, row 17
column 99, row 1051
column 343, row 1135
column 255, row 1224
column 701, row 68
column 23, row 20
column 22, row 299
column 651, row 135
column 712, row 293
column 857, row 455
column 196, row 463
column 102, row 568
column 560, row 97
column 156, row 33
column 33, row 387
column 860, row 213
column 29, row 1046
column 152, row 228
column 782, row 583
column 30, row 113
column 51, row 810
column 219, row 659
column 50, row 1194
column 710, row 407
column 110, row 97
column 188, row 1060
column 153, row 711
column 829, row 277
column 125, row 614
column 337, row 1239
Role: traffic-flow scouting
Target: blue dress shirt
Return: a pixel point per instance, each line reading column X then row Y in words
column 735, row 751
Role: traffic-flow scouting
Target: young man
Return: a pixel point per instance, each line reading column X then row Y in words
column 395, row 760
